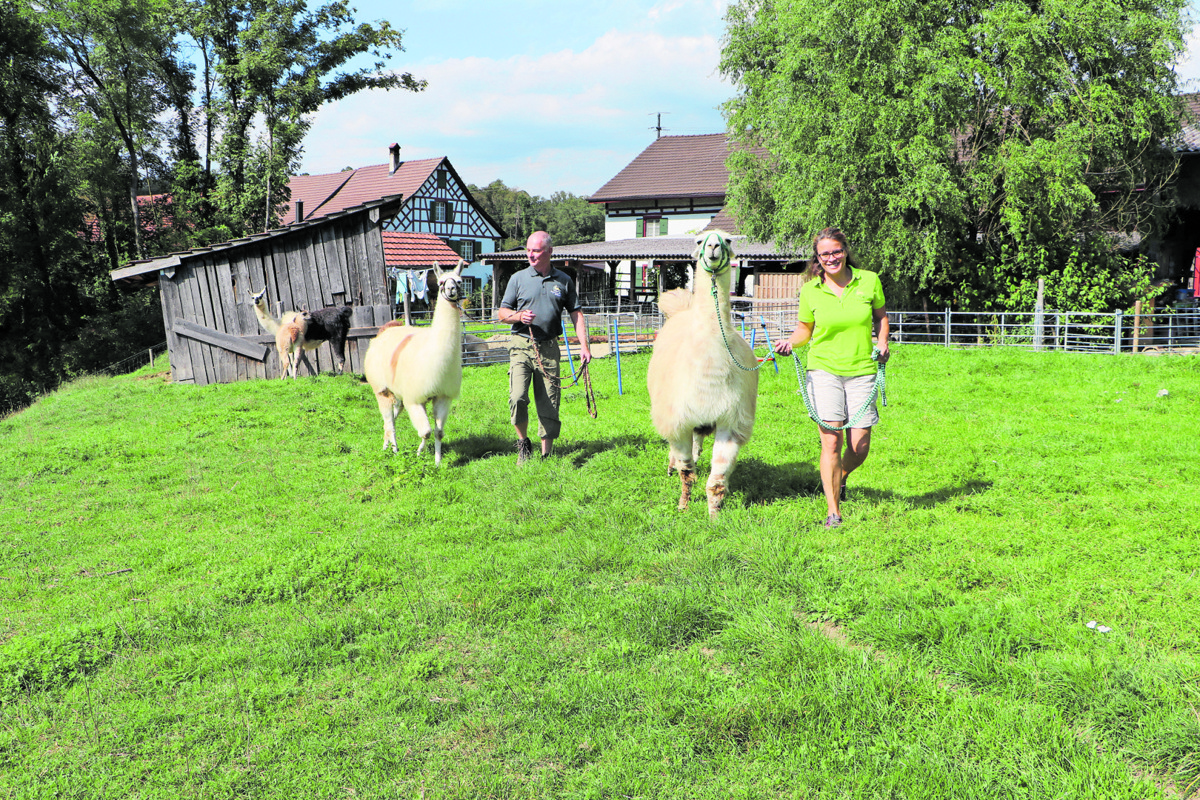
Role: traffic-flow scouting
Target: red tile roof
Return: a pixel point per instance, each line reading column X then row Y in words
column 413, row 250
column 325, row 194
column 723, row 221
column 672, row 166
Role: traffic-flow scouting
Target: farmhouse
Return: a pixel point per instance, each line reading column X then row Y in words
column 338, row 251
column 654, row 208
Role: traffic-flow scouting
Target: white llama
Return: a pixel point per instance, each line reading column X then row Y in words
column 416, row 365
column 696, row 388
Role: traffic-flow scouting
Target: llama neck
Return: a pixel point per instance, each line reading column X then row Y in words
column 445, row 316
column 266, row 320
column 703, row 292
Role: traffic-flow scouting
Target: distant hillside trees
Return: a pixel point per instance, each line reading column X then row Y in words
column 967, row 148
column 201, row 103
column 568, row 218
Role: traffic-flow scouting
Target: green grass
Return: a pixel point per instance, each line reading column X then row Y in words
column 231, row 591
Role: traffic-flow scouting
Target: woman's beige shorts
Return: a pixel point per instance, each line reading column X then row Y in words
column 838, row 398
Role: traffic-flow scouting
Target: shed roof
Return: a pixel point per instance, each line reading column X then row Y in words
column 672, row 166
column 145, row 271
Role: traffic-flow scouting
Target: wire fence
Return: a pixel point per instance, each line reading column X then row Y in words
column 631, row 326
column 134, row 362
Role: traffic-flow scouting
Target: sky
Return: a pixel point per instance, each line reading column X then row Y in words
column 545, row 96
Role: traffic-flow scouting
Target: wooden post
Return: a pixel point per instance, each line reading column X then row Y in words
column 1150, row 323
column 407, row 315
column 1137, row 323
column 1039, row 315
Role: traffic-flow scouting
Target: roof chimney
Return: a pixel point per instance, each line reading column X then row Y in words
column 394, row 151
column 299, row 211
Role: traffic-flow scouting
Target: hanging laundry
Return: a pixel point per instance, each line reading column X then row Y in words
column 401, row 286
column 418, row 284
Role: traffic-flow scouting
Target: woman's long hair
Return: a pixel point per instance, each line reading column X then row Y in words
column 815, row 270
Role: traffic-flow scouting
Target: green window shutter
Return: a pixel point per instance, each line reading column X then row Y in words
column 454, row 245
column 662, row 227
column 449, row 212
column 638, row 225
column 431, row 205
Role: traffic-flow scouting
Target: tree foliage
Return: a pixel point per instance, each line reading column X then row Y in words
column 115, row 146
column 568, row 218
column 278, row 62
column 39, row 216
column 967, row 147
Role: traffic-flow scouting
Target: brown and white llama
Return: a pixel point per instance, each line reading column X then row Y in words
column 289, row 341
column 408, row 366
column 701, row 376
column 324, row 325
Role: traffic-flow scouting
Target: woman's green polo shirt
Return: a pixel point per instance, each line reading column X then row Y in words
column 841, row 340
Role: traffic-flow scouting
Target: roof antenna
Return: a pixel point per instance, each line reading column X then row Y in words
column 659, row 127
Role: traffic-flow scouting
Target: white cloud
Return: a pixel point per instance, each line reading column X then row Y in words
column 1188, row 67
column 565, row 120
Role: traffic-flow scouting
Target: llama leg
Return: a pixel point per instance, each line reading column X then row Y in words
column 681, row 461
column 724, row 456
column 419, row 417
column 441, row 410
column 387, row 410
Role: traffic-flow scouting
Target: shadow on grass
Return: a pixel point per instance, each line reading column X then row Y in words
column 762, row 483
column 927, row 500
column 582, row 451
column 473, row 448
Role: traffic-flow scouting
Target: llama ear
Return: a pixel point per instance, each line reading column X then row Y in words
column 458, row 269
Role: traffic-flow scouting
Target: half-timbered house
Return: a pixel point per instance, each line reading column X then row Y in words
column 343, row 232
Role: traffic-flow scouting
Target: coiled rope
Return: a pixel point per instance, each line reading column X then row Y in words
column 588, row 394
column 878, row 390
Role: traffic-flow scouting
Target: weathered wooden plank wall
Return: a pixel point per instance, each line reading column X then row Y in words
column 313, row 267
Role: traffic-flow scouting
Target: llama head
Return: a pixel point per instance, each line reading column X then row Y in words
column 714, row 251
column 256, row 298
column 450, row 281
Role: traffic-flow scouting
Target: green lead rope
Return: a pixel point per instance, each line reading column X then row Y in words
column 879, row 390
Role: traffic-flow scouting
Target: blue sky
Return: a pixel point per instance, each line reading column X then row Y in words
column 545, row 96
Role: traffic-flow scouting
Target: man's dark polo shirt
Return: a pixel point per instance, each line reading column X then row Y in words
column 547, row 296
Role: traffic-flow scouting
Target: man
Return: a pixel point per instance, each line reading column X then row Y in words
column 533, row 303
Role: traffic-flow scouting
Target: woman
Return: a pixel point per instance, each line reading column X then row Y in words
column 839, row 303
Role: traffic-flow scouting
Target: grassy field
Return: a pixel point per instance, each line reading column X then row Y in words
column 230, row 591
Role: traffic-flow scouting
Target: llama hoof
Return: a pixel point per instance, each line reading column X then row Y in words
column 716, row 499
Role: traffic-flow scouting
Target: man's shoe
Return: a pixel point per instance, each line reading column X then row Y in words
column 524, row 450
column 832, row 521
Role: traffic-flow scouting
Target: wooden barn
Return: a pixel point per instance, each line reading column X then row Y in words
column 213, row 334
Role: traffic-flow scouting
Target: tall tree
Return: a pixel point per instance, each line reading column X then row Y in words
column 967, row 146
column 276, row 62
column 120, row 59
column 41, row 277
